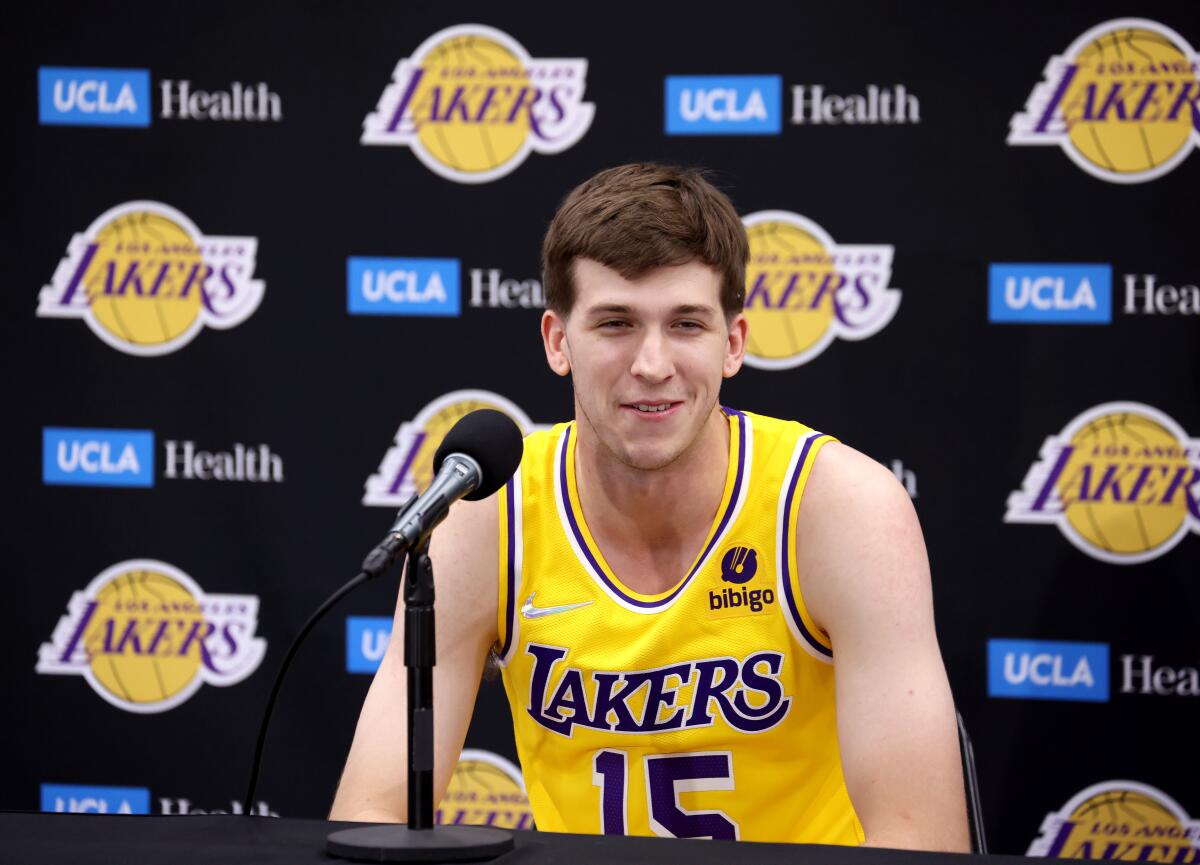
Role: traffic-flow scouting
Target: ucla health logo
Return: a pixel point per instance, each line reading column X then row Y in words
column 723, row 105
column 1123, row 102
column 366, row 642
column 1040, row 670
column 145, row 637
column 97, row 457
column 1119, row 820
column 1121, row 482
column 146, row 281
column 403, row 286
column 1050, row 293
column 83, row 799
column 803, row 290
column 472, row 104
column 407, row 467
column 69, row 96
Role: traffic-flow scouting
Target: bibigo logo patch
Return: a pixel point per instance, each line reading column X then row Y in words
column 407, row 467
column 472, row 104
column 1123, row 101
column 803, row 290
column 145, row 636
column 145, row 280
column 1121, row 482
column 1119, row 820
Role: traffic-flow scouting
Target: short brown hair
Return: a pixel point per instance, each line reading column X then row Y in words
column 634, row 218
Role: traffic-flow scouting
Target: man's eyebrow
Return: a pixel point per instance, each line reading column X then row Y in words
column 694, row 309
column 623, row 309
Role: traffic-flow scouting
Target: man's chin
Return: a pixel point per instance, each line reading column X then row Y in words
column 649, row 459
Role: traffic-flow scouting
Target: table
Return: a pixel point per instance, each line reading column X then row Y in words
column 110, row 839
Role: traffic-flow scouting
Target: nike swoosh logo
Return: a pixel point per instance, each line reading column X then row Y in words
column 529, row 611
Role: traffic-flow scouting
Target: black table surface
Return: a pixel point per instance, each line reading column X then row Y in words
column 84, row 839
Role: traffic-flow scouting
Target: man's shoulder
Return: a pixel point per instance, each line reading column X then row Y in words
column 851, row 482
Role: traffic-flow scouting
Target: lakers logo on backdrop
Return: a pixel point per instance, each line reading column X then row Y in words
column 1120, row 820
column 145, row 280
column 485, row 790
column 1121, row 481
column 1123, row 101
column 407, row 467
column 803, row 290
column 472, row 104
column 145, row 636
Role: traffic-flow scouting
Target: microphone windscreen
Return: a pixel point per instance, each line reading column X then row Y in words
column 491, row 439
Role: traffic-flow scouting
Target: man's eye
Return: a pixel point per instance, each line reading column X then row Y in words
column 614, row 323
column 690, row 325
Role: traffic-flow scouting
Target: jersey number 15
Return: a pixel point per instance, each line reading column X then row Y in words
column 667, row 775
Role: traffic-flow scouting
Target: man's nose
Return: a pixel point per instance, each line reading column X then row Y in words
column 652, row 361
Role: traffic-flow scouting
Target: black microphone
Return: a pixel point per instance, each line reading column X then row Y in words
column 479, row 454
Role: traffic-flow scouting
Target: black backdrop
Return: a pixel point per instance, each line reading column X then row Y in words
column 962, row 403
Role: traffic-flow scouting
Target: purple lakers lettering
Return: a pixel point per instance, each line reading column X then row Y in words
column 1120, row 473
column 472, row 104
column 1121, row 481
column 145, row 636
column 1123, row 101
column 148, row 629
column 747, row 694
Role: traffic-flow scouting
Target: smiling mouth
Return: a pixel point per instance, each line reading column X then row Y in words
column 649, row 408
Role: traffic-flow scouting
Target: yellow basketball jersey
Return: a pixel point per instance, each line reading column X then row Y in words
column 704, row 711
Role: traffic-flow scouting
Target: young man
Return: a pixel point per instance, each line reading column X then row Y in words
column 710, row 623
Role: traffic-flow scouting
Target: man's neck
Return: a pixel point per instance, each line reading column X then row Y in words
column 657, row 518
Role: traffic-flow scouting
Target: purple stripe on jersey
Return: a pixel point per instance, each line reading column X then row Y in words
column 786, row 547
column 721, row 525
column 509, row 576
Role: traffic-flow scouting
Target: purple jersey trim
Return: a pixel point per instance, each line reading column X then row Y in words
column 787, row 546
column 730, row 507
column 509, row 575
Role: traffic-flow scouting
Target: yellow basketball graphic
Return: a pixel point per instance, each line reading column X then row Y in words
column 787, row 312
column 1119, row 820
column 146, row 281
column 1120, row 101
column 1125, row 805
column 1113, row 448
column 124, row 657
column 803, row 290
column 146, row 637
column 407, row 467
column 435, row 429
column 472, row 104
column 133, row 251
column 1121, row 482
column 1124, row 61
column 457, row 134
column 486, row 790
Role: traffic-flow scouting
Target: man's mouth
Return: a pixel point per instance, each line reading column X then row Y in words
column 655, row 407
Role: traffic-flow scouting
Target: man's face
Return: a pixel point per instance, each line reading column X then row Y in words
column 646, row 357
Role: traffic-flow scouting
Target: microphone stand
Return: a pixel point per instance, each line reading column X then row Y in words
column 420, row 840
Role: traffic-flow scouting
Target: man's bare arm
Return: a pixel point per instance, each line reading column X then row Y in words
column 374, row 782
column 865, row 578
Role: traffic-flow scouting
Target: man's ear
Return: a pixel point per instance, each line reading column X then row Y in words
column 735, row 346
column 554, row 339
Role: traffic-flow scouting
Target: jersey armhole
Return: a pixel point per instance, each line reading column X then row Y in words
column 811, row 638
column 509, row 571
